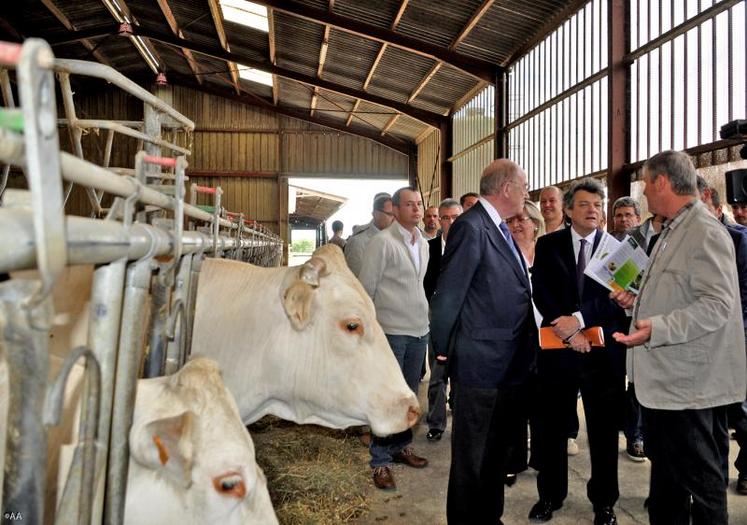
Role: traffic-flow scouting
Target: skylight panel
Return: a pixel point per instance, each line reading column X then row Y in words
column 255, row 75
column 245, row 13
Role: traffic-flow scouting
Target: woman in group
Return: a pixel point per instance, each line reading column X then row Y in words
column 525, row 229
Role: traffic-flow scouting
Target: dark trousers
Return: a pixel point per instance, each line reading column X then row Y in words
column 480, row 438
column 633, row 420
column 686, row 449
column 561, row 375
column 738, row 421
column 518, row 449
column 437, row 384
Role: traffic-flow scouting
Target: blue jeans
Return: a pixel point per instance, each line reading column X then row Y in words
column 409, row 352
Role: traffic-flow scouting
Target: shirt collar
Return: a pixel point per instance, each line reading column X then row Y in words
column 577, row 237
column 492, row 212
column 406, row 235
column 679, row 216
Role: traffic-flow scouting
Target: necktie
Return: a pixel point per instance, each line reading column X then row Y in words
column 510, row 241
column 580, row 267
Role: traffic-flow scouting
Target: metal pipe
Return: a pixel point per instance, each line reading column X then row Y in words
column 25, row 333
column 156, row 357
column 132, row 332
column 128, row 131
column 175, row 348
column 81, row 172
column 94, row 241
column 93, row 69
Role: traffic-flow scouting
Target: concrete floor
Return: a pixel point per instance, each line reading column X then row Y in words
column 421, row 494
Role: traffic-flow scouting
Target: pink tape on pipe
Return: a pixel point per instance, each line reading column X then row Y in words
column 205, row 189
column 166, row 162
column 10, row 53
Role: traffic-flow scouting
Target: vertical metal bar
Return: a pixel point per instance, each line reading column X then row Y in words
column 175, row 349
column 25, row 333
column 714, row 81
column 7, row 92
column 155, row 359
column 131, row 338
column 648, row 84
column 661, row 84
column 638, row 113
column 685, row 67
column 730, row 58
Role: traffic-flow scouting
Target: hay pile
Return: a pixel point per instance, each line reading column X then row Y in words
column 315, row 475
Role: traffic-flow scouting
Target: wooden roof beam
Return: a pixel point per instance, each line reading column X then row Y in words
column 273, row 60
column 121, row 13
column 323, row 51
column 475, row 67
column 400, row 145
column 469, row 95
column 217, row 14
column 427, row 78
column 389, row 124
column 352, row 112
column 314, row 101
column 168, row 14
column 487, row 4
column 427, row 117
column 400, row 12
column 64, row 20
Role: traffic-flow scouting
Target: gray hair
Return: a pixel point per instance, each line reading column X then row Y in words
column 588, row 185
column 627, row 202
column 449, row 203
column 496, row 175
column 678, row 168
column 398, row 194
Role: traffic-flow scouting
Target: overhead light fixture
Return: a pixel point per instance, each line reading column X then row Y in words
column 161, row 79
column 245, row 13
column 255, row 75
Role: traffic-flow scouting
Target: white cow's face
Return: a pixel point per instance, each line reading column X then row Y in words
column 192, row 459
column 351, row 374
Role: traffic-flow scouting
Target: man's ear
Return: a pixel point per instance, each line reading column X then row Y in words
column 166, row 445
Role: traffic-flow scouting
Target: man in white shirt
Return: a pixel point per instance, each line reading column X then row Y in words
column 382, row 217
column 551, row 206
column 394, row 264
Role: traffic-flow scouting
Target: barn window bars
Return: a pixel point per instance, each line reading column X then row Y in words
column 153, row 252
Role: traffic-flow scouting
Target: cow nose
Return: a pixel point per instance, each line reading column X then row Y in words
column 413, row 414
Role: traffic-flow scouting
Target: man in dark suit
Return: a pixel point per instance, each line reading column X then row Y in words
column 482, row 323
column 568, row 300
column 448, row 211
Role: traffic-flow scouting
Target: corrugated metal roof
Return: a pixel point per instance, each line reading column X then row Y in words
column 446, row 86
column 380, row 13
column 349, row 58
column 297, row 42
column 399, row 73
column 437, row 23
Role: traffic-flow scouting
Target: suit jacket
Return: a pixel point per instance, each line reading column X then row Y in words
column 556, row 294
column 481, row 311
column 434, row 266
column 696, row 355
column 738, row 236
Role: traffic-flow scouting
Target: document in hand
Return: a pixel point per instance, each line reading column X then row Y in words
column 618, row 265
column 550, row 341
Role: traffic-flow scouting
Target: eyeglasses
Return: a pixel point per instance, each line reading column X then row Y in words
column 517, row 218
column 449, row 217
column 387, row 213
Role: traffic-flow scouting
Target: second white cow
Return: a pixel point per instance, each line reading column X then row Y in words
column 301, row 343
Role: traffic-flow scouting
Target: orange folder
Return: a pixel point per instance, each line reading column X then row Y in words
column 550, row 341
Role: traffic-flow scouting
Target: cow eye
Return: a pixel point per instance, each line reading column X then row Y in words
column 352, row 325
column 230, row 484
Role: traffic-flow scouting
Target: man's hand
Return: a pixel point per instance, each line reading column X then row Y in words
column 565, row 325
column 579, row 343
column 637, row 337
column 623, row 299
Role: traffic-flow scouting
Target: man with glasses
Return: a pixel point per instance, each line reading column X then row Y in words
column 448, row 212
column 356, row 244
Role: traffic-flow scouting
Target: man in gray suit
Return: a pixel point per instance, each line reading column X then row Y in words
column 688, row 358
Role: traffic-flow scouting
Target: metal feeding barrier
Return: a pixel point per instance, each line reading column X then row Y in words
column 143, row 256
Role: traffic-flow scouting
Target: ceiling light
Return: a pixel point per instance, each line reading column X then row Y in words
column 245, row 13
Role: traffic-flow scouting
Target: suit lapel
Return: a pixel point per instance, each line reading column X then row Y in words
column 501, row 244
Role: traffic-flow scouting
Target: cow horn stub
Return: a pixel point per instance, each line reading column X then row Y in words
column 312, row 270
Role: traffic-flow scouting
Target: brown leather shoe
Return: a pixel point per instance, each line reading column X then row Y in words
column 408, row 457
column 383, row 479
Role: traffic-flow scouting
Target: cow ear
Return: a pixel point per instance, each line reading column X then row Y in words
column 298, row 297
column 297, row 303
column 166, row 445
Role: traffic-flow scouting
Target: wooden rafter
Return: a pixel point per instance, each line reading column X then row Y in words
column 400, row 12
column 475, row 67
column 436, row 67
column 468, row 96
column 468, row 27
column 168, row 14
column 273, row 60
column 389, row 124
column 217, row 15
column 314, row 101
column 323, row 51
column 487, row 4
column 352, row 112
column 64, row 20
column 376, row 61
column 423, row 134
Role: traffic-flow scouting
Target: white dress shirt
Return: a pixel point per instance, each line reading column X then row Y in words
column 576, row 237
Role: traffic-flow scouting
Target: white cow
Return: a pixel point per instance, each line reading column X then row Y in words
column 191, row 459
column 301, row 343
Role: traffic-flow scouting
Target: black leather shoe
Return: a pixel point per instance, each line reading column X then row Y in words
column 742, row 485
column 542, row 511
column 605, row 516
column 434, row 434
column 510, row 480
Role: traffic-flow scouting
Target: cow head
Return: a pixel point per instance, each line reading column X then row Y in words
column 192, row 460
column 346, row 372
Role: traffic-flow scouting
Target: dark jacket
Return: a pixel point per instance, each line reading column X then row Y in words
column 434, row 266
